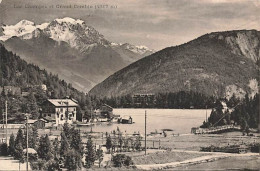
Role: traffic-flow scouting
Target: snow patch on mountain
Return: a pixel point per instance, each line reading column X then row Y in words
column 75, row 32
column 69, row 20
column 20, row 29
column 42, row 26
column 61, row 33
column 136, row 49
column 34, row 34
column 113, row 44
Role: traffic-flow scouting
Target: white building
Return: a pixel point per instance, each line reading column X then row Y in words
column 59, row 111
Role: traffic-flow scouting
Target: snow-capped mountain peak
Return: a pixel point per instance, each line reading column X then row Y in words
column 75, row 32
column 19, row 29
column 69, row 20
column 136, row 49
column 25, row 23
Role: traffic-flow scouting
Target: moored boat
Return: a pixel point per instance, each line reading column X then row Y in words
column 125, row 120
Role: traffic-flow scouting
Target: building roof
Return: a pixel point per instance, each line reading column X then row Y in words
column 49, row 118
column 31, row 121
column 62, row 102
column 42, row 119
column 30, row 150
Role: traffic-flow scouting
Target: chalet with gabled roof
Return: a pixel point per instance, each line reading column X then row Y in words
column 106, row 111
column 59, row 111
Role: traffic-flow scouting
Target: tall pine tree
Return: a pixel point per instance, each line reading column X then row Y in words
column 90, row 153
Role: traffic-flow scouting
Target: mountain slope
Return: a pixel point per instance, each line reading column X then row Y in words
column 70, row 48
column 219, row 64
column 40, row 85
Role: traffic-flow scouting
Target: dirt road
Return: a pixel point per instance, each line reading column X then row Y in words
column 203, row 159
column 8, row 163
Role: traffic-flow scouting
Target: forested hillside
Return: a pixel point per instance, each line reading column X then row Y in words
column 179, row 100
column 218, row 64
column 18, row 73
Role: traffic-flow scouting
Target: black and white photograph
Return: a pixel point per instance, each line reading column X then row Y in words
column 111, row 85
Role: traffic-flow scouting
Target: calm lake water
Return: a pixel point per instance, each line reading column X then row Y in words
column 179, row 120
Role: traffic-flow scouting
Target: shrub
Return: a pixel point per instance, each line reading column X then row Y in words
column 73, row 160
column 120, row 160
column 52, row 165
column 33, row 157
column 37, row 165
column 4, row 149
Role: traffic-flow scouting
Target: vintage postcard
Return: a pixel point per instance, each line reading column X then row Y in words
column 129, row 85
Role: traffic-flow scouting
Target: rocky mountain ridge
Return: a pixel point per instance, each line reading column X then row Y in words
column 221, row 64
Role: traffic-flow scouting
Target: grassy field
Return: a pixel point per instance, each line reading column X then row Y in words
column 194, row 142
column 165, row 157
column 231, row 163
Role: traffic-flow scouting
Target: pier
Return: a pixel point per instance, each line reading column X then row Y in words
column 215, row 130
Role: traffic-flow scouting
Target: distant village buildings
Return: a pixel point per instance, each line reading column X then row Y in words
column 106, row 111
column 10, row 90
column 14, row 90
column 140, row 99
column 59, row 111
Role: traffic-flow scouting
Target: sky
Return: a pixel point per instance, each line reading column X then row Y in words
column 156, row 24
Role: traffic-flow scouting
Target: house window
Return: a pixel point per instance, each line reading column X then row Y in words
column 49, row 114
column 61, row 109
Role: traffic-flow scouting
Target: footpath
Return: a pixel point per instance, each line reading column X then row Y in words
column 9, row 164
column 209, row 158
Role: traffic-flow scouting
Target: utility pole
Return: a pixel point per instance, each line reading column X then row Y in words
column 258, row 68
column 27, row 156
column 6, row 121
column 91, row 120
column 145, row 132
column 67, row 116
column 206, row 114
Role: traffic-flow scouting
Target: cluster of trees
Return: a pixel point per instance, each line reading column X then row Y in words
column 51, row 155
column 178, row 100
column 243, row 112
column 18, row 144
column 17, row 73
column 69, row 151
column 116, row 142
column 246, row 114
column 42, row 159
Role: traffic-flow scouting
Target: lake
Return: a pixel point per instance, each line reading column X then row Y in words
column 179, row 120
